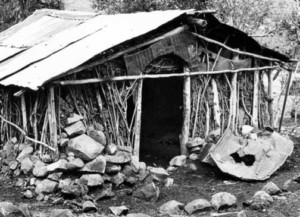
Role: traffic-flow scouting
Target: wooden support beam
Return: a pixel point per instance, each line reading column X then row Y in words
column 217, row 110
column 24, row 113
column 146, row 76
column 138, row 120
column 186, row 112
column 270, row 96
column 52, row 120
column 255, row 105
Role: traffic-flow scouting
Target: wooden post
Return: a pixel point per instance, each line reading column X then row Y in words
column 234, row 101
column 186, row 112
column 52, row 120
column 35, row 130
column 255, row 100
column 270, row 95
column 24, row 116
column 217, row 110
column 138, row 120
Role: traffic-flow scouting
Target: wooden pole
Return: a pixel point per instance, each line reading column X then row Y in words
column 35, row 129
column 24, row 113
column 186, row 112
column 255, row 99
column 217, row 110
column 52, row 121
column 270, row 95
column 138, row 120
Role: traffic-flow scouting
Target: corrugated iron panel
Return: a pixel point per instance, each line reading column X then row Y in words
column 120, row 28
column 6, row 52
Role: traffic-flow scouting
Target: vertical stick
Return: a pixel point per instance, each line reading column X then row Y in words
column 186, row 112
column 270, row 102
column 255, row 100
column 207, row 119
column 52, row 120
column 138, row 120
column 217, row 110
column 24, row 116
column 35, row 130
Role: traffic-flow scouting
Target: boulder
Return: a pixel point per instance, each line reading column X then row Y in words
column 46, row 186
column 178, row 161
column 88, row 206
column 119, row 210
column 120, row 157
column 85, row 148
column 104, row 193
column 271, row 188
column 9, row 209
column 26, row 152
column 26, row 165
column 198, row 205
column 58, row 166
column 64, row 182
column 9, row 153
column 73, row 191
column 75, row 164
column 92, row 179
column 13, row 165
column 261, row 200
column 172, row 207
column 118, row 179
column 61, row 213
column 98, row 136
column 97, row 165
column 223, row 199
column 40, row 171
column 73, row 118
column 159, row 173
column 111, row 149
column 112, row 168
column 75, row 129
column 147, row 192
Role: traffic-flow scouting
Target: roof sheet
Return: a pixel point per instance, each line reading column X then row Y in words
column 50, row 42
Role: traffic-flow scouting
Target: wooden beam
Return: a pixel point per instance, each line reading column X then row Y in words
column 52, row 120
column 255, row 105
column 144, row 76
column 270, row 96
column 186, row 112
column 138, row 120
column 24, row 113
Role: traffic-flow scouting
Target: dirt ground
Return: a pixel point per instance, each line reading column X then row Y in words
column 188, row 185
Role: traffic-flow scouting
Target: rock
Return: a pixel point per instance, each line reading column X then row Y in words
column 75, row 164
column 112, row 168
column 61, row 213
column 75, row 129
column 72, row 191
column 97, row 165
column 119, row 210
column 291, row 186
column 32, row 181
column 85, row 148
column 58, row 166
column 8, row 209
column 55, row 176
column 88, row 206
column 143, row 166
column 192, row 167
column 120, row 157
column 223, row 199
column 135, row 164
column 17, row 172
column 98, row 136
column 92, row 179
column 128, row 171
column 169, row 182
column 13, row 165
column 46, row 186
column 118, row 179
column 246, row 129
column 261, row 200
column 26, row 152
column 178, row 161
column 195, row 142
column 171, row 169
column 147, row 192
column 241, row 214
column 111, row 149
column 73, row 119
column 159, row 173
column 46, row 158
column 194, row 156
column 20, row 182
column 40, row 197
column 63, row 142
column 172, row 207
column 40, row 171
column 137, row 215
column 28, row 194
column 26, row 165
column 143, row 175
column 24, row 208
column 46, row 198
column 9, row 152
column 198, row 205
column 64, row 182
column 104, row 193
column 271, row 188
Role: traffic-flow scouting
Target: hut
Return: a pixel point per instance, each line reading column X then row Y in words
column 130, row 74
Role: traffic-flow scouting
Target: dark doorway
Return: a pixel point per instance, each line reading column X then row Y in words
column 161, row 119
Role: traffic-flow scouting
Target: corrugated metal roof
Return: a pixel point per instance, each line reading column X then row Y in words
column 50, row 42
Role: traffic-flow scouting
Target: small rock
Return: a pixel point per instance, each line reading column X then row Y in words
column 98, row 136
column 172, row 207
column 97, row 165
column 64, row 182
column 171, row 169
column 75, row 129
column 143, row 166
column 46, row 158
column 119, row 210
column 246, row 129
column 143, row 175
column 13, row 165
column 169, row 182
column 46, row 186
column 192, row 166
column 271, row 188
column 253, row 136
column 61, row 213
column 198, row 205
column 40, row 171
column 194, row 157
column 89, row 206
column 159, row 173
column 46, row 198
column 195, row 142
column 118, row 179
column 26, row 152
column 178, row 161
column 28, row 194
column 147, row 192
column 137, row 215
column 241, row 214
column 63, row 142
column 135, row 164
column 75, row 164
column 55, row 176
column 223, row 199
column 26, row 165
column 120, row 157
column 261, row 200
column 8, row 209
column 92, row 179
column 111, row 149
column 20, row 182
column 112, row 168
column 32, row 181
column 84, row 147
column 105, row 193
column 73, row 119
column 57, row 201
column 72, row 191
column 40, row 197
column 17, row 172
column 58, row 166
